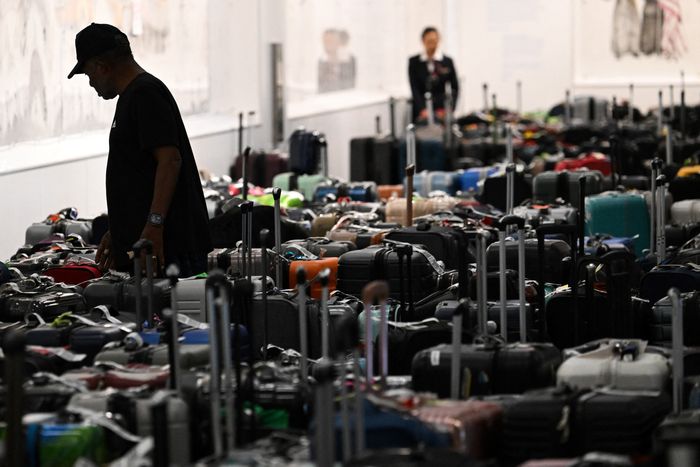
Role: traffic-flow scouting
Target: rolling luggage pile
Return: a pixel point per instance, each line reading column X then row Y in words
column 502, row 308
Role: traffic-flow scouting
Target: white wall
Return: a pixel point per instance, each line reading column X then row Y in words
column 494, row 41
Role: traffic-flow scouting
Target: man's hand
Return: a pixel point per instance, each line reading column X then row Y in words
column 104, row 256
column 154, row 233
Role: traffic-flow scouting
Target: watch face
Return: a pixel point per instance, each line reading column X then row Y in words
column 155, row 219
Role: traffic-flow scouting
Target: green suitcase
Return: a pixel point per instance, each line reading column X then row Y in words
column 305, row 184
column 619, row 215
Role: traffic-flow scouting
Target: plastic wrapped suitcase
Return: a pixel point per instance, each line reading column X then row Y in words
column 618, row 364
column 686, row 211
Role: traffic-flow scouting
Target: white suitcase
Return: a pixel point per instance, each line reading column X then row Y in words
column 602, row 365
column 686, row 211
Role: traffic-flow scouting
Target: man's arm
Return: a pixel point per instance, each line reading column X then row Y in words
column 168, row 162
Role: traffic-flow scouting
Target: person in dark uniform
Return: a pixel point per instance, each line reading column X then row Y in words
column 153, row 186
column 430, row 72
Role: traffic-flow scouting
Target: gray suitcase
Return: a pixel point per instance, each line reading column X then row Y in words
column 191, row 299
column 41, row 230
column 548, row 186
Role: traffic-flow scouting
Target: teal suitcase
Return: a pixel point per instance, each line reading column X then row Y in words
column 619, row 215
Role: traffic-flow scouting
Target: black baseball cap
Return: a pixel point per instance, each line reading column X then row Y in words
column 95, row 40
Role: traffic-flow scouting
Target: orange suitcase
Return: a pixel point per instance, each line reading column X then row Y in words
column 312, row 268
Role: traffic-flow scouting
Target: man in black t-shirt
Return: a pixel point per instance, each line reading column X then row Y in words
column 153, row 186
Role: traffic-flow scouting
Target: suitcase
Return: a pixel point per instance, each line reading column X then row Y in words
column 16, row 305
column 321, row 247
column 489, row 365
column 190, row 356
column 386, row 192
column 443, row 243
column 305, row 151
column 494, row 192
column 74, row 273
column 472, row 180
column 548, row 186
column 375, row 158
column 262, row 167
column 538, row 425
column 555, row 252
column 660, row 332
column 538, row 214
column 313, row 268
column 590, row 161
column 41, row 230
column 586, row 314
column 619, row 422
column 655, row 284
column 677, row 436
column 619, row 215
column 622, row 365
column 426, row 182
column 683, row 188
column 304, row 184
column 119, row 294
column 365, row 192
column 686, row 211
column 430, row 155
column 474, row 425
column 356, row 268
column 395, row 211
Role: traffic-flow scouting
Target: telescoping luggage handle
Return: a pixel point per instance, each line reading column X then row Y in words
column 479, row 237
column 410, row 171
column 244, row 170
column 430, row 108
column 171, row 319
column 13, row 346
column 218, row 308
column 656, row 165
column 376, row 293
column 276, row 195
column 677, row 348
column 264, row 241
column 503, row 224
column 303, row 325
column 660, row 217
column 455, row 363
column 392, row 118
column 145, row 246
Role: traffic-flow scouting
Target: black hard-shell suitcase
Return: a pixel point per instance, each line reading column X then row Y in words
column 555, row 252
column 357, row 268
column 47, row 304
column 487, row 368
column 283, row 324
column 494, row 192
column 538, row 425
column 660, row 326
column 621, row 423
column 444, row 243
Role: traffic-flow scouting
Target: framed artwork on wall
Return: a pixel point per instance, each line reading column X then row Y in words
column 648, row 42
